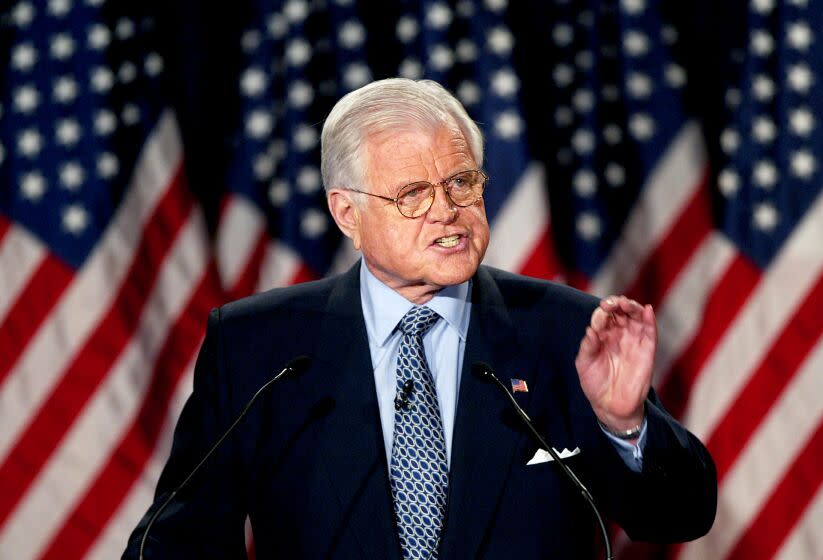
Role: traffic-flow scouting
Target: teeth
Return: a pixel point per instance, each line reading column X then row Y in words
column 449, row 241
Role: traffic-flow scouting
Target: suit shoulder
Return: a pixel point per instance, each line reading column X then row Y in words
column 302, row 298
column 520, row 291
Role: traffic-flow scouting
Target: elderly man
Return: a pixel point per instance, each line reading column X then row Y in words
column 387, row 447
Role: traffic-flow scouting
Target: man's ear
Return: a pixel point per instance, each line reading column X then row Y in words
column 345, row 213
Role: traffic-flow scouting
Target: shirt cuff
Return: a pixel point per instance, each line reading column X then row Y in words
column 631, row 453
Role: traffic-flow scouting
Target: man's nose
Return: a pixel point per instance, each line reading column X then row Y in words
column 442, row 208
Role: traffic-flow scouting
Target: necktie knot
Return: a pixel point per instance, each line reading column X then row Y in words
column 418, row 320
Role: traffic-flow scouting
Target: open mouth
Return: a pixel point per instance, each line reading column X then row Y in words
column 448, row 241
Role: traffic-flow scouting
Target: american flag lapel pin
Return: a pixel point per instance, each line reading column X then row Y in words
column 519, row 386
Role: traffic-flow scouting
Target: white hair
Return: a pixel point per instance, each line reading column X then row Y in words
column 386, row 105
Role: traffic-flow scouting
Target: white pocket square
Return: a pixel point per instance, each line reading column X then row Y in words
column 542, row 456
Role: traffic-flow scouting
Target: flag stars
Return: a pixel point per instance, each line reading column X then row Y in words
column 26, row 99
column 465, row 8
column 729, row 141
column 259, row 124
column 800, row 78
column 308, row 180
column 22, row 14
column 508, row 125
column 355, row 75
column 639, row 85
column 98, row 37
column 801, row 121
column 107, row 165
column 351, row 34
column 468, row 92
column 612, row 134
column 505, row 83
column 127, row 72
column 263, row 167
column 763, row 7
column 584, row 60
column 250, row 39
column 298, row 52
column 588, row 226
column 765, row 174
column 675, row 76
column 24, row 57
column 253, row 82
column 153, row 64
column 642, row 126
column 765, row 217
column 635, row 43
column 130, row 114
column 411, row 68
column 29, row 143
column 124, row 29
column 583, row 141
column 75, row 219
column 583, row 100
column 102, row 79
column 407, row 29
column 633, row 7
column 441, row 58
column 764, row 130
column 466, row 50
column 563, row 75
column 296, row 10
column 305, row 137
column 799, row 36
column 763, row 88
column 585, row 183
column 279, row 193
column 496, row 6
column 65, row 89
column 669, row 34
column 61, row 46
column 33, row 186
column 762, row 43
column 71, row 176
column 803, row 164
column 277, row 26
column 439, row 16
column 732, row 98
column 300, row 94
column 563, row 34
column 500, row 41
column 104, row 122
column 67, row 132
column 615, row 175
column 313, row 223
column 563, row 116
column 59, row 8
column 728, row 181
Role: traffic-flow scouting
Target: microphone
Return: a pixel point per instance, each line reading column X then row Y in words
column 297, row 366
column 484, row 372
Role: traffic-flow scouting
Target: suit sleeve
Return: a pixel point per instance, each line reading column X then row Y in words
column 206, row 517
column 674, row 497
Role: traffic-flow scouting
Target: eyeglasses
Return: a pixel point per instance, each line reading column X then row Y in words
column 462, row 189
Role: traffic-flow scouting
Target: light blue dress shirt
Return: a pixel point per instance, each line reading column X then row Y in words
column 444, row 345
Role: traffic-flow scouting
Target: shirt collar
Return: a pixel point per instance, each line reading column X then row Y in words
column 383, row 307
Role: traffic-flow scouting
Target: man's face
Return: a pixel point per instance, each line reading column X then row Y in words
column 419, row 256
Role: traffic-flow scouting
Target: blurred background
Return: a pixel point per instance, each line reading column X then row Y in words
column 159, row 158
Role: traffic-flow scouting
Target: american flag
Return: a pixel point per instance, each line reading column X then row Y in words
column 105, row 277
column 668, row 151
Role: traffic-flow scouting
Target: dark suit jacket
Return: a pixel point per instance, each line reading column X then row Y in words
column 308, row 463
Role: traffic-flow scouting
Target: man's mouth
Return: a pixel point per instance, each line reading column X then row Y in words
column 448, row 241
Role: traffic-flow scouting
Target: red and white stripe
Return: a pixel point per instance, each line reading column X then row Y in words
column 738, row 353
column 91, row 376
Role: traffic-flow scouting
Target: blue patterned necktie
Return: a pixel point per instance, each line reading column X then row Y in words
column 419, row 469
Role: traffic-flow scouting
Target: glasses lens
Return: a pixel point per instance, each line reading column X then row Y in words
column 415, row 199
column 465, row 188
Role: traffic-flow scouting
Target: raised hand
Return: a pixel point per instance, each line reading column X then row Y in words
column 616, row 359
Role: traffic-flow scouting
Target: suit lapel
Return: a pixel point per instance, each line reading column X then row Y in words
column 352, row 440
column 486, row 431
